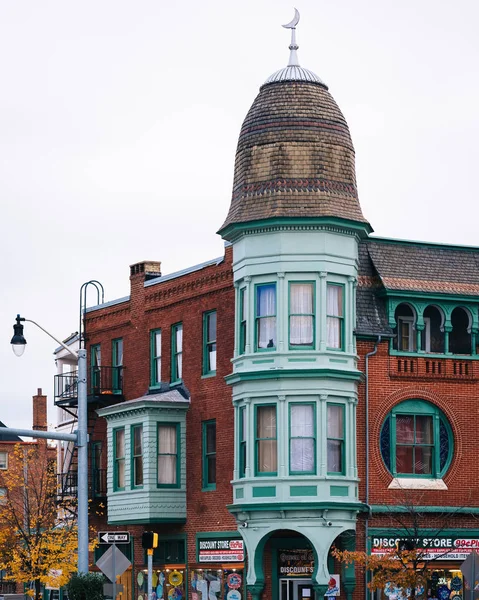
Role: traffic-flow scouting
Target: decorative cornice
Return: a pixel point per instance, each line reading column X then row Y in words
column 187, row 289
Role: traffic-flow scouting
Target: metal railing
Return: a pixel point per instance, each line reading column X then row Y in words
column 68, row 484
column 101, row 381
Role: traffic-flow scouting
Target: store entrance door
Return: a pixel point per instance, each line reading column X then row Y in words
column 296, row 589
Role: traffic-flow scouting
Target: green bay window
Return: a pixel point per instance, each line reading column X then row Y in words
column 137, row 455
column 176, row 352
column 242, row 441
column 209, row 343
column 119, row 459
column 168, row 455
column 243, row 312
column 335, row 316
column 117, row 364
column 266, row 440
column 265, row 316
column 302, row 442
column 335, row 439
column 301, row 315
column 209, row 455
column 155, row 357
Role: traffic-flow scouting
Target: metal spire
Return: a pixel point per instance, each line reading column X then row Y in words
column 293, row 57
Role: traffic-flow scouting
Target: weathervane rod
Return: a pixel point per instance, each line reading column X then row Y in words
column 293, row 57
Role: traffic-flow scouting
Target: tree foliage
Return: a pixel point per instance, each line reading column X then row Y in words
column 35, row 545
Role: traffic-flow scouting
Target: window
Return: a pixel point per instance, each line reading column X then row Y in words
column 137, row 455
column 266, row 444
column 416, row 440
column 266, row 316
column 97, row 474
column 209, row 455
column 155, row 357
column 119, row 459
column 3, row 495
column 302, row 444
column 95, row 364
column 170, row 551
column 117, row 364
column 335, row 316
column 209, row 343
column 3, row 460
column 301, row 315
column 406, row 334
column 242, row 441
column 243, row 312
column 177, row 352
column 335, row 441
column 168, row 441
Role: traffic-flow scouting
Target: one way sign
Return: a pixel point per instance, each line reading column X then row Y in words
column 114, row 537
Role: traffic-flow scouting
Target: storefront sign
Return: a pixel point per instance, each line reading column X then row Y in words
column 295, row 563
column 220, row 550
column 445, row 548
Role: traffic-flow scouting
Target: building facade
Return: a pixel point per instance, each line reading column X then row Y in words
column 294, row 395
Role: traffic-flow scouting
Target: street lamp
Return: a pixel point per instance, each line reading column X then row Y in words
column 80, row 437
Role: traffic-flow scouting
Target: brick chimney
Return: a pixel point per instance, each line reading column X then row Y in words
column 40, row 411
column 148, row 269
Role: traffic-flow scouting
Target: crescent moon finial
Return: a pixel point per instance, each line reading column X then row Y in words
column 293, row 57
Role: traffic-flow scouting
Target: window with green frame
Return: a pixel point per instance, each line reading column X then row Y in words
column 302, row 439
column 301, row 314
column 119, row 459
column 95, row 368
column 137, row 456
column 209, row 342
column 176, row 352
column 155, row 357
column 169, row 551
column 168, row 455
column 242, row 441
column 243, row 312
column 266, row 440
column 209, row 455
column 117, row 364
column 265, row 316
column 416, row 440
column 335, row 316
column 335, row 439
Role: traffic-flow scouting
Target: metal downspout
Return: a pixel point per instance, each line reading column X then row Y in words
column 366, row 528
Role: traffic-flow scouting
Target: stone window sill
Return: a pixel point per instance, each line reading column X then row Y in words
column 416, row 483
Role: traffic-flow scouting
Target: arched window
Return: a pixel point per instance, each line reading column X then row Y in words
column 405, row 329
column 416, row 440
column 460, row 337
column 432, row 337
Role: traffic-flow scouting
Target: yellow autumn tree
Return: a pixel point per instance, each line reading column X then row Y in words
column 35, row 544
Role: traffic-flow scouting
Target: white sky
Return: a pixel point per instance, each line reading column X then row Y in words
column 119, row 121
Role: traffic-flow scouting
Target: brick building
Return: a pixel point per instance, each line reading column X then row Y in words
column 293, row 394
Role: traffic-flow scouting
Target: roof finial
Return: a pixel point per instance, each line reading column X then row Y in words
column 293, row 57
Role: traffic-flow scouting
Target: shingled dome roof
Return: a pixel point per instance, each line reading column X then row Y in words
column 295, row 157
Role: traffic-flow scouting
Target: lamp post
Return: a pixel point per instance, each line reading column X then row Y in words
column 80, row 437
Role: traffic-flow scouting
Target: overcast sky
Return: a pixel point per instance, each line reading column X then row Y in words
column 119, row 121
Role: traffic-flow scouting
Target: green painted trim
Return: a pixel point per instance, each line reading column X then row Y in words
column 466, row 510
column 338, row 490
column 116, row 460
column 239, row 493
column 303, row 490
column 207, row 342
column 314, row 437
column 342, row 317
column 257, row 472
column 342, row 440
column 289, row 506
column 115, row 362
column 295, row 348
column 154, row 356
column 175, row 378
column 178, row 455
column 302, row 360
column 133, row 520
column 362, row 229
column 256, row 317
column 132, row 455
column 263, row 361
column 243, row 323
column 264, row 491
column 428, row 355
column 242, row 442
column 294, row 374
column 204, row 455
column 339, row 360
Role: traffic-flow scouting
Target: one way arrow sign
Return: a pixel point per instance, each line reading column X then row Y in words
column 114, row 537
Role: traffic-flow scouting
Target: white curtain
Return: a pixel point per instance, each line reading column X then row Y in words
column 301, row 309
column 266, row 432
column 167, row 449
column 157, row 356
column 302, row 438
column 120, row 457
column 335, row 438
column 179, row 352
column 334, row 310
column 266, row 306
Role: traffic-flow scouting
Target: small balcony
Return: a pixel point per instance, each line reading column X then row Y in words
column 415, row 367
column 68, row 484
column 102, row 382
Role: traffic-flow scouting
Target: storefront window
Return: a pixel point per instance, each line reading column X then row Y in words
column 208, row 584
column 167, row 583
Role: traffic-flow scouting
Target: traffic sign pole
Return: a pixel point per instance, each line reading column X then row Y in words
column 150, row 573
column 114, row 571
